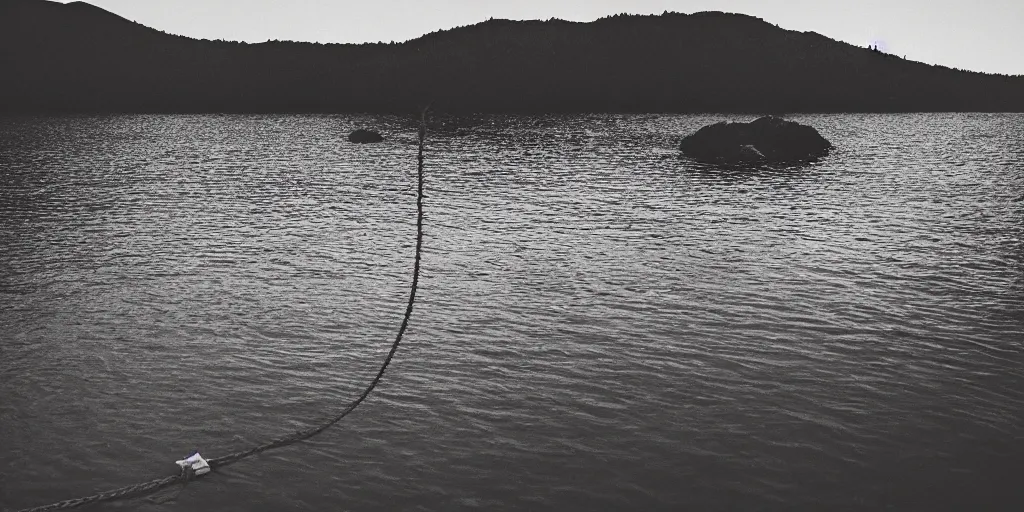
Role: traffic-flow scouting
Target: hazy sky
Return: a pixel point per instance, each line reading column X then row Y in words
column 981, row 35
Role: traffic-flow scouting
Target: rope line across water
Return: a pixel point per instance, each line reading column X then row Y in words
column 186, row 475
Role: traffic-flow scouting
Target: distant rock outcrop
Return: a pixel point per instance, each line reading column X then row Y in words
column 766, row 139
column 362, row 136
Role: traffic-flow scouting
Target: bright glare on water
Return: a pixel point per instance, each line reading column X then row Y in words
column 601, row 324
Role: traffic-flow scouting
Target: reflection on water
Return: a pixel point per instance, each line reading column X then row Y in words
column 602, row 324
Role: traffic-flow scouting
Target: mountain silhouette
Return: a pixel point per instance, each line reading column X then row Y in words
column 79, row 58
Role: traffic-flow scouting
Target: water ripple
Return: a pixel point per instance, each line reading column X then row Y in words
column 602, row 324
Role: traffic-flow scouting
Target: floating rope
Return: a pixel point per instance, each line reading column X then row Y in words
column 187, row 473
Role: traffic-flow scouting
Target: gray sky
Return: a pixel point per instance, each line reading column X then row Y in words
column 980, row 35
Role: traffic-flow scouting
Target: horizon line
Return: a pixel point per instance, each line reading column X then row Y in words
column 552, row 19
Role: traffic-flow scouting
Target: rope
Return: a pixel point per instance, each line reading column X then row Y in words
column 186, row 475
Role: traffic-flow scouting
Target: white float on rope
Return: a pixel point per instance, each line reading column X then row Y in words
column 196, row 463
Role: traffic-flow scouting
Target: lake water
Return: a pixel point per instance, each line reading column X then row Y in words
column 601, row 324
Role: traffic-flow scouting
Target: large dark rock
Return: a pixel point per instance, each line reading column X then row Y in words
column 362, row 136
column 767, row 139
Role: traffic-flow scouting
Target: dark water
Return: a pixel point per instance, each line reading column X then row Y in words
column 601, row 325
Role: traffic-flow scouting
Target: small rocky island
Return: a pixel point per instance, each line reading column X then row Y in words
column 767, row 139
column 363, row 136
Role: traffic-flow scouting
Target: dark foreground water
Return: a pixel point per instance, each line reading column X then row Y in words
column 602, row 325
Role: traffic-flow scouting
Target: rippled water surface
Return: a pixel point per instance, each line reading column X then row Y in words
column 601, row 325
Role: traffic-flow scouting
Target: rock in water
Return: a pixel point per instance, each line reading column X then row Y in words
column 767, row 139
column 362, row 136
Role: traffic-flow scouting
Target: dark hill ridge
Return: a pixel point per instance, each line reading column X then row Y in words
column 77, row 57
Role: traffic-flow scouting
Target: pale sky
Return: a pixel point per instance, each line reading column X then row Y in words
column 980, row 35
